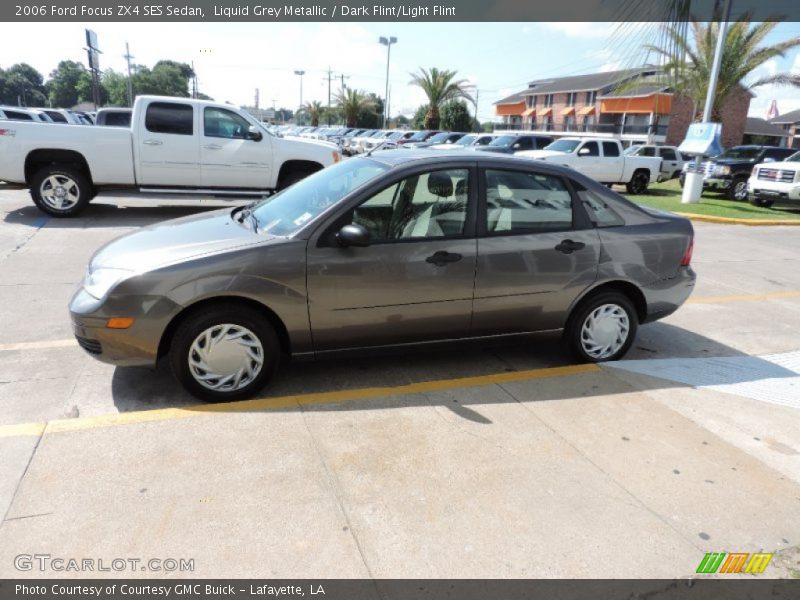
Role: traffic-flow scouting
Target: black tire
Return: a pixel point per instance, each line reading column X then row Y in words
column 198, row 322
column 638, row 183
column 76, row 190
column 573, row 332
column 292, row 177
column 762, row 202
column 738, row 189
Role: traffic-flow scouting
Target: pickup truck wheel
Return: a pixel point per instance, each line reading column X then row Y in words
column 638, row 183
column 756, row 201
column 738, row 189
column 293, row 177
column 60, row 191
column 224, row 353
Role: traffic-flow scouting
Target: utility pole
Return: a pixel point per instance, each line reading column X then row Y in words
column 300, row 73
column 343, row 76
column 477, row 95
column 194, row 82
column 329, row 95
column 128, row 56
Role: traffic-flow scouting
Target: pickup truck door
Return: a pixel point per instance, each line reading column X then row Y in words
column 669, row 162
column 589, row 161
column 229, row 156
column 612, row 163
column 166, row 145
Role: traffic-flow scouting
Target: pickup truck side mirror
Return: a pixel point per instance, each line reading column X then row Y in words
column 254, row 134
column 768, row 159
column 353, row 235
column 583, row 152
column 517, row 146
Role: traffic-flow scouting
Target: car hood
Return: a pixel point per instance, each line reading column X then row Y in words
column 731, row 162
column 783, row 166
column 175, row 241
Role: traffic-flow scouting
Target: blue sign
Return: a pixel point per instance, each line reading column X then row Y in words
column 702, row 139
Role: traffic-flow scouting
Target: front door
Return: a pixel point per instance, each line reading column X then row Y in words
column 414, row 282
column 534, row 256
column 228, row 157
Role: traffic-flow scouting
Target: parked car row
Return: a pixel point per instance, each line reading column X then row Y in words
column 119, row 117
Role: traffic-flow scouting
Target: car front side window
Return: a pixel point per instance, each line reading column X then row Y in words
column 423, row 206
column 221, row 123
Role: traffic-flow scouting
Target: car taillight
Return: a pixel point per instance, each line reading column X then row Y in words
column 687, row 256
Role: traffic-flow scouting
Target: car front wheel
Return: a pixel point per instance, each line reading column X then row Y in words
column 738, row 190
column 602, row 328
column 224, row 353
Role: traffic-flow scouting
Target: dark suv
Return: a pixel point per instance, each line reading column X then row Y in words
column 513, row 143
column 729, row 172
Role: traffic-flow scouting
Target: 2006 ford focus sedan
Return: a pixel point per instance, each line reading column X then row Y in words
column 391, row 249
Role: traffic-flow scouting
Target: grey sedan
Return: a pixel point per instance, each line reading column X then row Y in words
column 397, row 248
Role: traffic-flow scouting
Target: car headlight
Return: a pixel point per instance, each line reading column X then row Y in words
column 101, row 281
column 723, row 170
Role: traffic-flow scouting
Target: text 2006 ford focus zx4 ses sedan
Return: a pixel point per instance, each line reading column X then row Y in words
column 389, row 249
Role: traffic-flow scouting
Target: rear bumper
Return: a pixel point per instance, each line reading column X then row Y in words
column 668, row 295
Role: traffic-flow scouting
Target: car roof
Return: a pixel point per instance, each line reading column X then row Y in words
column 402, row 158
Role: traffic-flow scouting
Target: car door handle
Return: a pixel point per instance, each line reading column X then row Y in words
column 568, row 246
column 212, row 147
column 153, row 142
column 441, row 258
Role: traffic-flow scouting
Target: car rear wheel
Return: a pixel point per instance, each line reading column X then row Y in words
column 60, row 191
column 602, row 328
column 638, row 183
column 738, row 189
column 224, row 353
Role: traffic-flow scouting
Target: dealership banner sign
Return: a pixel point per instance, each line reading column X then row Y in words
column 384, row 10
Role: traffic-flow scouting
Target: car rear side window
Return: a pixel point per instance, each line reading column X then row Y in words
column 610, row 149
column 524, row 202
column 56, row 116
column 668, row 154
column 600, row 213
column 169, row 117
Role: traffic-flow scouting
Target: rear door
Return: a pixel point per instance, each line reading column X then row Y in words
column 612, row 163
column 414, row 282
column 228, row 157
column 669, row 162
column 537, row 251
column 167, row 145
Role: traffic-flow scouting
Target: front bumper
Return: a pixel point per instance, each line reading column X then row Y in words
column 136, row 346
column 775, row 191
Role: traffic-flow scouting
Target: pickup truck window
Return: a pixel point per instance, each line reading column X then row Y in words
column 56, row 116
column 565, row 146
column 610, row 149
column 169, row 117
column 519, row 202
column 221, row 123
column 13, row 115
column 589, row 149
column 668, row 154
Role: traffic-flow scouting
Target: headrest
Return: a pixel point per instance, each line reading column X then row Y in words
column 461, row 187
column 440, row 184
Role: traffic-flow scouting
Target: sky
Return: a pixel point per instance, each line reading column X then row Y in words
column 232, row 60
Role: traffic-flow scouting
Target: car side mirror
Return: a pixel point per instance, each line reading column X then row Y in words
column 254, row 134
column 768, row 159
column 583, row 152
column 517, row 146
column 353, row 235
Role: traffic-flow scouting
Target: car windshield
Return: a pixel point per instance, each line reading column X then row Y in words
column 288, row 211
column 793, row 158
column 395, row 136
column 465, row 141
column 632, row 151
column 565, row 146
column 418, row 137
column 740, row 153
column 439, row 138
column 503, row 141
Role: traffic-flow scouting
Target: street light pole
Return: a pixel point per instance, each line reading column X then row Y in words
column 301, row 73
column 388, row 43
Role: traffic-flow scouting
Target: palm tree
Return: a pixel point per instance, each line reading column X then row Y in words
column 687, row 63
column 352, row 102
column 439, row 87
column 314, row 111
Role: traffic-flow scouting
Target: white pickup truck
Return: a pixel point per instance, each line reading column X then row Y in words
column 174, row 145
column 602, row 160
column 772, row 182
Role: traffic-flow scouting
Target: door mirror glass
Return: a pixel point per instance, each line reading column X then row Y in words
column 583, row 152
column 353, row 235
column 517, row 146
column 254, row 134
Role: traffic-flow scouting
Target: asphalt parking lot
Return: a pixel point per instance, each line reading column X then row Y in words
column 486, row 461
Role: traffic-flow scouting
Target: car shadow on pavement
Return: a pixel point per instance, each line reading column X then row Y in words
column 106, row 215
column 136, row 389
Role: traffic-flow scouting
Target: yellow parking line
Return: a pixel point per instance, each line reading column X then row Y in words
column 261, row 404
column 38, row 345
column 744, row 297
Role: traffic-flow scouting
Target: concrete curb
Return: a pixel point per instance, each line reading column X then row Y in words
column 734, row 221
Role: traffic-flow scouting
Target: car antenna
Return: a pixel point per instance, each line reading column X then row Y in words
column 378, row 147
